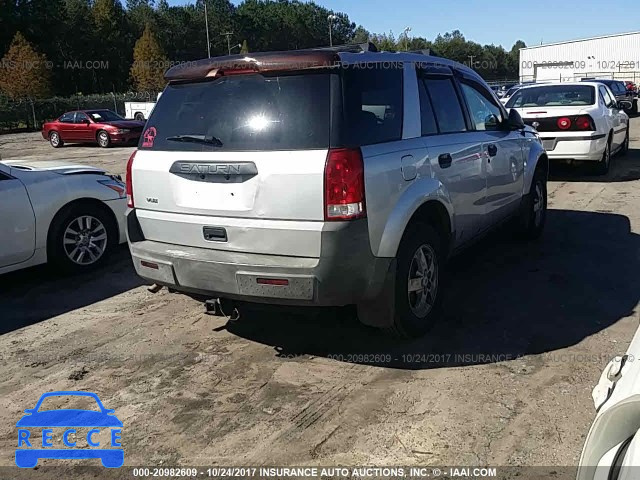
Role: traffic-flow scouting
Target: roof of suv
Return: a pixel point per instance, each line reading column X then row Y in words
column 301, row 60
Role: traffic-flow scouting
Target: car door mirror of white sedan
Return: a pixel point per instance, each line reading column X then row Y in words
column 623, row 105
column 610, row 375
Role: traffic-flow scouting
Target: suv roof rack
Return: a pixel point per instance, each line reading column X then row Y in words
column 352, row 48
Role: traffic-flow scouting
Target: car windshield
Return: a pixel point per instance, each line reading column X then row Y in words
column 552, row 96
column 104, row 116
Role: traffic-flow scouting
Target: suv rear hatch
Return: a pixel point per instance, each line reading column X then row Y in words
column 237, row 162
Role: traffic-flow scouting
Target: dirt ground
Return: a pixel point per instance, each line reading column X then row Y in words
column 504, row 379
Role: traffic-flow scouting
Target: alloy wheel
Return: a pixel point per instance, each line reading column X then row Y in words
column 85, row 240
column 422, row 286
column 538, row 203
column 103, row 139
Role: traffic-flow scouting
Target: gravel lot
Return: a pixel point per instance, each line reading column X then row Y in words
column 505, row 379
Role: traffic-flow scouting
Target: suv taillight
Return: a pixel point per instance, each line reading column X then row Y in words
column 129, row 181
column 344, row 185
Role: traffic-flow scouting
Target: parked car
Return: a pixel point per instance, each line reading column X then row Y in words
column 612, row 448
column 578, row 121
column 503, row 89
column 319, row 182
column 631, row 86
column 509, row 93
column 620, row 92
column 70, row 215
column 103, row 127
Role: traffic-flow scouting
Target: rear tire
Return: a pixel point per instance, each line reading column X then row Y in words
column 103, row 138
column 55, row 140
column 81, row 228
column 605, row 162
column 139, row 116
column 419, row 273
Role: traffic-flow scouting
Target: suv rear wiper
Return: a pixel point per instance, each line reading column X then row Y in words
column 196, row 139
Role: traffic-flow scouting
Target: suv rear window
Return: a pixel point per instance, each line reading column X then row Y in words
column 244, row 112
column 553, row 96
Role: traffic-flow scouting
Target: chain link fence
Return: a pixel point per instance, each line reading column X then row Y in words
column 27, row 115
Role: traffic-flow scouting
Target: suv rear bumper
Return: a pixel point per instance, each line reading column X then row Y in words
column 345, row 273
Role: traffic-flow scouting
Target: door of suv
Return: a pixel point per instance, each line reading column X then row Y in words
column 502, row 151
column 455, row 150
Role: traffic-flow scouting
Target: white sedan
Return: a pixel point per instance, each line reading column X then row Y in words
column 70, row 215
column 576, row 121
column 612, row 447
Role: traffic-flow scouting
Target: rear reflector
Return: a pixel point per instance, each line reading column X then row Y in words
column 149, row 264
column 344, row 185
column 282, row 282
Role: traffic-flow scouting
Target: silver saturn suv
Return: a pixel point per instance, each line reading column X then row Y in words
column 327, row 177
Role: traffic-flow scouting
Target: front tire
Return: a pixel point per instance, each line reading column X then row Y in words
column 533, row 215
column 55, row 140
column 81, row 237
column 104, row 140
column 418, row 295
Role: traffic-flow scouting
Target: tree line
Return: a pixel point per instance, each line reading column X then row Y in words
column 71, row 47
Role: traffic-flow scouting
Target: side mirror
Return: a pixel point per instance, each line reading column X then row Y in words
column 515, row 120
column 624, row 105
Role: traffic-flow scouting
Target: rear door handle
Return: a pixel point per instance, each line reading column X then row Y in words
column 445, row 160
column 492, row 150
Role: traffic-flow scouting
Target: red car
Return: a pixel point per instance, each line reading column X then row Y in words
column 103, row 127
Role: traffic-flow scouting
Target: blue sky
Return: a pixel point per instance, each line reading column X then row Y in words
column 498, row 22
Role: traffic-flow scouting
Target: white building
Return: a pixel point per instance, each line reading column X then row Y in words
column 610, row 56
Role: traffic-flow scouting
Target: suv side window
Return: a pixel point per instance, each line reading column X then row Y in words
column 67, row 118
column 446, row 104
column 429, row 125
column 373, row 104
column 484, row 114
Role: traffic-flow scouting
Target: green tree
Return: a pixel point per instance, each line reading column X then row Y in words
column 360, row 35
column 115, row 38
column 24, row 73
column 385, row 42
column 513, row 59
column 149, row 63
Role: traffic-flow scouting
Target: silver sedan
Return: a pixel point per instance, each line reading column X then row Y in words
column 67, row 214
